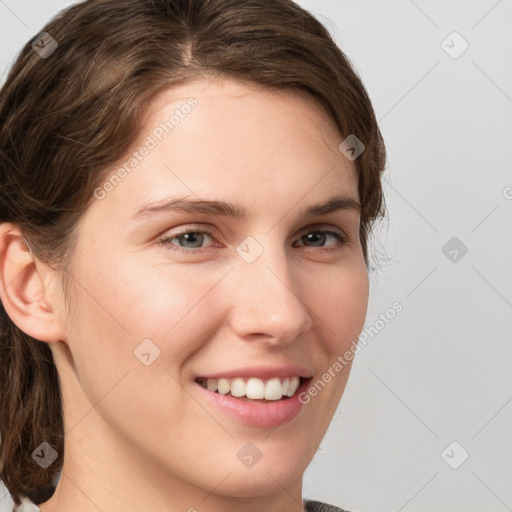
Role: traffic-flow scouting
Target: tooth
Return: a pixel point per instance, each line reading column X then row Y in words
column 255, row 389
column 286, row 384
column 273, row 389
column 224, row 386
column 238, row 387
column 294, row 384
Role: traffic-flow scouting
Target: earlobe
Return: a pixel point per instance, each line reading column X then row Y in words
column 23, row 287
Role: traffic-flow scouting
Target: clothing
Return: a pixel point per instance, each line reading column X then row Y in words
column 310, row 506
column 319, row 506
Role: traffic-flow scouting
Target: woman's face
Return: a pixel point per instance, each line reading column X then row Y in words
column 273, row 290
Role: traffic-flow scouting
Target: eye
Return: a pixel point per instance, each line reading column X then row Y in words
column 195, row 237
column 319, row 236
column 193, row 240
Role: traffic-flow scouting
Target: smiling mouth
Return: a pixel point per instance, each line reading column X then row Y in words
column 253, row 389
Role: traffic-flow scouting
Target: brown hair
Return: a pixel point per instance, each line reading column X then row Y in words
column 65, row 119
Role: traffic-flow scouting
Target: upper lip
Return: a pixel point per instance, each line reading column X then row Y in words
column 261, row 372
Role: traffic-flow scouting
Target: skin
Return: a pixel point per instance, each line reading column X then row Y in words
column 142, row 437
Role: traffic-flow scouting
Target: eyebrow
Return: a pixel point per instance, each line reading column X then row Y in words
column 237, row 211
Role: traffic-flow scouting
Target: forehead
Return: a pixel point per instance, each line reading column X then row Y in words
column 222, row 89
column 234, row 120
column 237, row 142
column 239, row 109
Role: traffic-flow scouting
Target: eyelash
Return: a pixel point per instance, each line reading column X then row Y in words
column 342, row 240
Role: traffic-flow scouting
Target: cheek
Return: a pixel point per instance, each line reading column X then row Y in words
column 151, row 302
column 340, row 306
column 339, row 301
column 118, row 311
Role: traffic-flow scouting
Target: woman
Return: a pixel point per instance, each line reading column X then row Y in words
column 187, row 192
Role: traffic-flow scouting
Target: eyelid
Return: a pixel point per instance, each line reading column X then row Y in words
column 211, row 230
column 340, row 234
column 320, row 225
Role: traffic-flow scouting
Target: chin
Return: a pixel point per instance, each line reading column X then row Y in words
column 251, row 485
column 268, row 476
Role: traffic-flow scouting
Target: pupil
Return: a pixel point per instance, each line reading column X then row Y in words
column 192, row 235
column 316, row 235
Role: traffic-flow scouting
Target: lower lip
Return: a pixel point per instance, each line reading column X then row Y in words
column 254, row 414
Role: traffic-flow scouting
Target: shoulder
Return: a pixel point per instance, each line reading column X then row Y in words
column 26, row 506
column 318, row 506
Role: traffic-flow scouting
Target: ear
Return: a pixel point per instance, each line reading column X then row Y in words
column 24, row 287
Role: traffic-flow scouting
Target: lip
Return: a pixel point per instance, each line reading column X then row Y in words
column 255, row 414
column 261, row 372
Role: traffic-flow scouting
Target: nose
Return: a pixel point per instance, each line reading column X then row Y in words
column 267, row 299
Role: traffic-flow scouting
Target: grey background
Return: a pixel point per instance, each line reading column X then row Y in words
column 441, row 370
